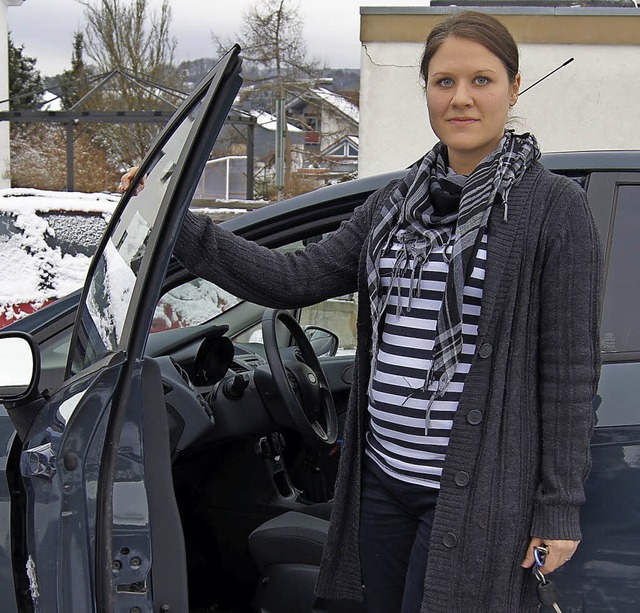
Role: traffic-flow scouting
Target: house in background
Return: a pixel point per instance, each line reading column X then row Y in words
column 331, row 123
column 588, row 105
column 322, row 137
column 337, row 162
column 265, row 138
column 232, row 146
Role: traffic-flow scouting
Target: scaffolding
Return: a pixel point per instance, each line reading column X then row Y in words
column 76, row 115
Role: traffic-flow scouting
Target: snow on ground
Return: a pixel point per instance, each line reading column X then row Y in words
column 219, row 210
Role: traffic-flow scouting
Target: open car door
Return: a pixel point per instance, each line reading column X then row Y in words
column 96, row 526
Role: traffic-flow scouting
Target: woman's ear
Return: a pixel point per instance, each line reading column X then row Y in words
column 515, row 89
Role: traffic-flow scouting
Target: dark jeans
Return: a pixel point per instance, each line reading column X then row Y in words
column 395, row 527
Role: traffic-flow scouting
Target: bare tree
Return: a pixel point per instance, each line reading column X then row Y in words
column 272, row 38
column 128, row 36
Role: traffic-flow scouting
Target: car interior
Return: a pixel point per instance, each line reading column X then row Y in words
column 255, row 402
column 241, row 455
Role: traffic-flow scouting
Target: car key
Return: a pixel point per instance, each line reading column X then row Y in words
column 548, row 595
column 547, row 591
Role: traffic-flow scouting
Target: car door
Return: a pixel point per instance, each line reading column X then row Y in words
column 604, row 574
column 95, row 523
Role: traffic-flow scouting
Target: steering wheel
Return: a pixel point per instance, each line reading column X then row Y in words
column 301, row 382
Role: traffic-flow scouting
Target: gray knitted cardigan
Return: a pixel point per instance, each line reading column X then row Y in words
column 519, row 449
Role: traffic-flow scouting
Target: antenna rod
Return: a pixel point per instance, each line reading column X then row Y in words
column 545, row 76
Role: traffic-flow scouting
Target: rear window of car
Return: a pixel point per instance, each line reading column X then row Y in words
column 7, row 227
column 74, row 233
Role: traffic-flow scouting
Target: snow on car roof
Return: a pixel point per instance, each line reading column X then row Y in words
column 23, row 200
column 32, row 272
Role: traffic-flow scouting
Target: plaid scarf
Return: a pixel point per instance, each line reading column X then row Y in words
column 409, row 218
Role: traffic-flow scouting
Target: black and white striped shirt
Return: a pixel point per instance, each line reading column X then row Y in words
column 399, row 438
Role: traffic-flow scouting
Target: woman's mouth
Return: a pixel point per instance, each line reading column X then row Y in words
column 461, row 121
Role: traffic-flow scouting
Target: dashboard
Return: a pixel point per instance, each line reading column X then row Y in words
column 209, row 387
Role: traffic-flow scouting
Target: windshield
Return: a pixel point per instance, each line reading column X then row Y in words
column 197, row 301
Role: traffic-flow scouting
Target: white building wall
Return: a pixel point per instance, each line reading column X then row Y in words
column 590, row 104
column 5, row 167
column 5, row 181
column 394, row 127
column 593, row 103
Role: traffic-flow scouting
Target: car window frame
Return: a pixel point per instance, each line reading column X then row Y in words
column 602, row 193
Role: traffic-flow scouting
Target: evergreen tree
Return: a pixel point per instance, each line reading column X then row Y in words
column 25, row 82
column 73, row 83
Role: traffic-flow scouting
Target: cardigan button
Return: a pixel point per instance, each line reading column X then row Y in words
column 462, row 478
column 450, row 540
column 485, row 350
column 474, row 417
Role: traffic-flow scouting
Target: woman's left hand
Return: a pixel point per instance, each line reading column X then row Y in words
column 558, row 552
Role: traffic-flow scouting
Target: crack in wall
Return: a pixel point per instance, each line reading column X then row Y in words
column 366, row 50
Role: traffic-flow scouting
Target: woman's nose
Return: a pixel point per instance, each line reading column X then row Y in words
column 461, row 96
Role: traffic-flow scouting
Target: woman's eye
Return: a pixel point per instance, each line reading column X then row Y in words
column 482, row 80
column 445, row 82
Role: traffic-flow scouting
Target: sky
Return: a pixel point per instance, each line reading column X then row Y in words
column 46, row 28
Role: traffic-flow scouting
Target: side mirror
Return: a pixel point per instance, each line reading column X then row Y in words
column 324, row 342
column 20, row 366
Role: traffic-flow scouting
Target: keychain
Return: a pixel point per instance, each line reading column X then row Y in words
column 547, row 591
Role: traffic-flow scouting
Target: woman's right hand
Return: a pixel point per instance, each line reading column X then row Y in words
column 127, row 177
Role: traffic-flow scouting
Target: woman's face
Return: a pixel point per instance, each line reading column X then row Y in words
column 468, row 97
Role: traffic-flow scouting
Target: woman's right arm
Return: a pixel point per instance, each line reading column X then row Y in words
column 272, row 278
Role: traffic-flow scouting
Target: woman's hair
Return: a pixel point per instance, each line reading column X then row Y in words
column 480, row 28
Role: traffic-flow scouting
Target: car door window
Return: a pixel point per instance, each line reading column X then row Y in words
column 338, row 315
column 620, row 329
column 616, row 402
column 115, row 273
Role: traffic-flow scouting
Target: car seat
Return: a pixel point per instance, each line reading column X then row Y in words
column 287, row 550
